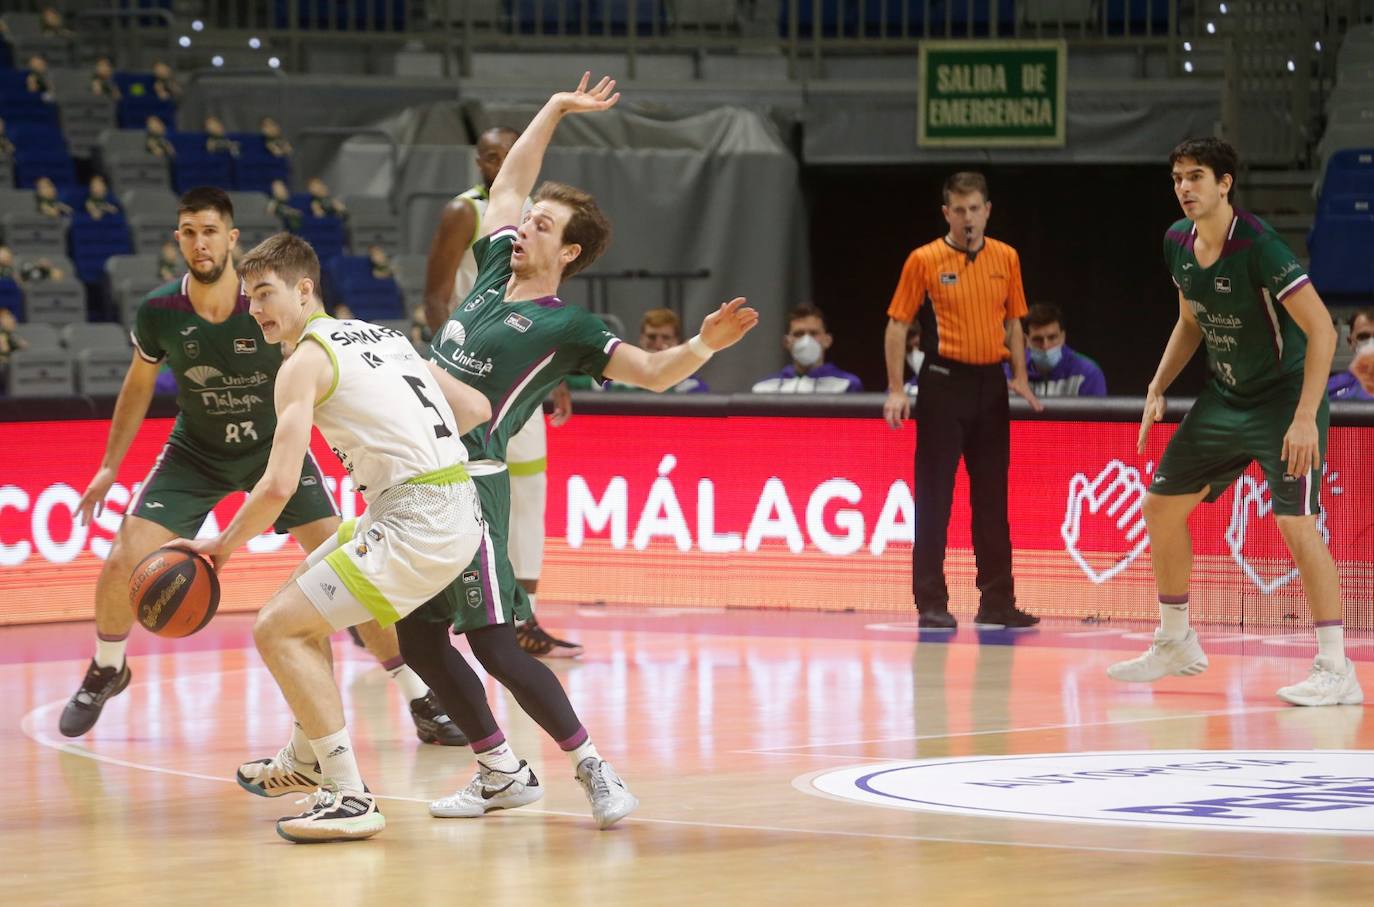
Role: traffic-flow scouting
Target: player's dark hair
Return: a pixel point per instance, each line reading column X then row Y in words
column 501, row 132
column 206, row 198
column 587, row 227
column 285, row 255
column 1043, row 313
column 1212, row 153
column 1367, row 313
column 806, row 310
column 964, row 182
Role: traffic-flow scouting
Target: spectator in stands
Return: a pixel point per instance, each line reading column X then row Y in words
column 659, row 329
column 98, row 202
column 1054, row 369
column 165, row 84
column 45, row 197
column 216, row 141
column 276, row 143
column 37, row 81
column 1346, row 386
column 279, row 206
column 168, row 262
column 321, row 203
column 10, row 341
column 343, row 312
column 7, row 271
column 381, row 265
column 156, row 140
column 52, row 26
column 915, row 357
column 39, row 269
column 6, row 146
column 806, row 341
column 102, row 80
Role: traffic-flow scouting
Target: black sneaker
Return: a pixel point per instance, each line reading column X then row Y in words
column 432, row 725
column 83, row 710
column 1008, row 617
column 936, row 620
column 536, row 641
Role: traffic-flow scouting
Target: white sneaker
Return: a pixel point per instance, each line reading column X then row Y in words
column 281, row 774
column 611, row 800
column 1326, row 685
column 490, row 789
column 332, row 814
column 1183, row 657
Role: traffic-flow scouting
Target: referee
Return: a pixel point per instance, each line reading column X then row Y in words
column 972, row 285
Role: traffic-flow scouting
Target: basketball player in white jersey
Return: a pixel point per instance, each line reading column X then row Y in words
column 449, row 275
column 394, row 420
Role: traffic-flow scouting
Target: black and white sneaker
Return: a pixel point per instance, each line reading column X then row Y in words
column 99, row 684
column 280, row 775
column 535, row 640
column 432, row 724
column 332, row 814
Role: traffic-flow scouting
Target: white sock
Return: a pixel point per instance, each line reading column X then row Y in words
column 300, row 744
column 534, row 603
column 1331, row 644
column 109, row 653
column 585, row 751
column 337, row 762
column 412, row 687
column 500, row 758
column 1173, row 616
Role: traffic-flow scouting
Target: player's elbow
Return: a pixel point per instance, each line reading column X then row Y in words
column 278, row 488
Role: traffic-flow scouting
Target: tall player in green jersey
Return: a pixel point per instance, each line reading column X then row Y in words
column 219, row 444
column 513, row 339
column 1269, row 346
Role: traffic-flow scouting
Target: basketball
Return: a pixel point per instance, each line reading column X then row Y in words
column 174, row 592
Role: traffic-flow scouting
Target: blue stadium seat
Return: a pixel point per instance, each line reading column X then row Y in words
column 255, row 168
column 139, row 102
column 19, row 106
column 12, row 298
column 1349, row 171
column 1339, row 244
column 91, row 242
column 1137, row 17
column 194, row 166
column 326, row 234
column 838, row 17
column 348, row 279
column 40, row 150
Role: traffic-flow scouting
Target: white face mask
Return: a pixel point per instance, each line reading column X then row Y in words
column 806, row 351
column 914, row 359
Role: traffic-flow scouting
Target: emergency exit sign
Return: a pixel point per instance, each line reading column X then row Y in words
column 977, row 94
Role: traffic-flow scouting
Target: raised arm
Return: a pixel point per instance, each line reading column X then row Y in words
column 666, row 368
column 470, row 407
column 446, row 251
column 130, row 409
column 305, row 377
column 521, row 167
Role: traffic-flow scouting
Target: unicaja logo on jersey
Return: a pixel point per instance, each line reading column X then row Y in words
column 202, row 374
column 454, row 331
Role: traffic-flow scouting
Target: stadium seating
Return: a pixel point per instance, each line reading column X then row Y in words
column 255, row 168
column 55, row 301
column 83, row 115
column 252, row 218
column 371, row 222
column 101, row 371
column 94, row 335
column 139, row 101
column 348, row 279
column 41, row 373
column 19, row 106
column 194, row 166
column 121, row 154
column 41, row 337
column 12, row 298
column 41, row 150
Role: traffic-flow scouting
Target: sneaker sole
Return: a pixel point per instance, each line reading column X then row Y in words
column 1309, row 704
column 95, row 714
column 440, row 812
column 358, row 830
column 1191, row 670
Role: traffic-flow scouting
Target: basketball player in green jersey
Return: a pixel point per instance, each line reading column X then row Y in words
column 1269, row 345
column 450, row 274
column 513, row 339
column 218, row 445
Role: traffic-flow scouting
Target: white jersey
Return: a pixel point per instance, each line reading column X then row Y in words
column 385, row 416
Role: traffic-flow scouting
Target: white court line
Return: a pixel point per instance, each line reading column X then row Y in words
column 790, row 750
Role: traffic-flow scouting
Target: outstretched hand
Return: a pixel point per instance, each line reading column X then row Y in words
column 602, row 96
column 726, row 325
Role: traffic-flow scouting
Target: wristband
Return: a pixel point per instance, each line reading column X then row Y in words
column 700, row 349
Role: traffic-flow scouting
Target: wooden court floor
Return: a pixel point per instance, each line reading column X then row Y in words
column 780, row 759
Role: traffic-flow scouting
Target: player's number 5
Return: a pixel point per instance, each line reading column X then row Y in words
column 417, row 384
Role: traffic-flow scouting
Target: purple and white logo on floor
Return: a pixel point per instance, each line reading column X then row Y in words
column 1302, row 791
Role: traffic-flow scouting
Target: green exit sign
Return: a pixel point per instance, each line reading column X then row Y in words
column 976, row 94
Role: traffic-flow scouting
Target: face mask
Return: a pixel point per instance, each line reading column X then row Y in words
column 806, row 351
column 1046, row 360
column 914, row 359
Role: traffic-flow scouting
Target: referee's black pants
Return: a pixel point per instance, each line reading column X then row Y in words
column 962, row 410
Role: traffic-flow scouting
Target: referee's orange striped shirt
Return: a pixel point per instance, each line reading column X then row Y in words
column 971, row 300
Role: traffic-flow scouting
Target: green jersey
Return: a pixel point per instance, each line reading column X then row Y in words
column 1253, row 345
column 514, row 352
column 224, row 373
